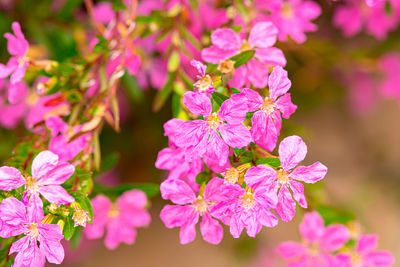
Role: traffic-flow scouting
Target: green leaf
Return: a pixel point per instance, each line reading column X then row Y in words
column 151, row 189
column 219, row 98
column 84, row 202
column 176, row 105
column 273, row 162
column 243, row 58
column 173, row 62
column 74, row 96
column 164, row 93
column 76, row 238
column 69, row 228
column 246, row 157
column 108, row 162
column 238, row 151
column 235, row 91
column 202, row 177
column 130, row 83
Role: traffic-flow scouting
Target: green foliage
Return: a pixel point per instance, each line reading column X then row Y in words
column 333, row 215
column 84, row 202
column 203, row 177
column 273, row 162
column 164, row 93
column 243, row 58
column 219, row 98
column 151, row 189
column 69, row 228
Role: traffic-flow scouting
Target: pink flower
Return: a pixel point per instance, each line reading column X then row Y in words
column 246, row 208
column 59, row 142
column 189, row 208
column 292, row 17
column 292, row 150
column 226, row 43
column 48, row 173
column 17, row 46
column 13, row 112
column 319, row 242
column 354, row 14
column 266, row 121
column 390, row 67
column 204, row 83
column 365, row 254
column 120, row 219
column 39, row 241
column 202, row 137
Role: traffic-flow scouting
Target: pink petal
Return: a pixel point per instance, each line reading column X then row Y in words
column 349, row 19
column 132, row 199
column 285, row 105
column 118, row 232
column 43, row 163
column 16, row 45
column 257, row 73
column 260, row 174
column 56, row 194
column 13, row 212
column 35, row 209
column 217, row 148
column 212, row 192
column 233, row 112
column 263, row 34
column 334, row 237
column 175, row 215
column 188, row 231
column 367, row 243
column 214, row 54
column 32, row 256
column 211, row 230
column 59, row 174
column 312, row 227
column 197, row 103
column 292, row 150
column 19, row 245
column 290, row 249
column 50, row 231
column 278, row 83
column 5, row 71
column 286, row 207
column 103, row 12
column 259, row 124
column 253, row 225
column 267, row 218
column 56, row 125
column 10, row 178
column 310, row 174
column 271, row 56
column 236, row 227
column 253, row 99
column 52, row 249
column 200, row 67
column 18, row 74
column 268, row 139
column 17, row 92
column 298, row 193
column 101, row 207
column 239, row 78
column 379, row 258
column 226, row 39
column 190, row 133
column 236, row 136
column 177, row 191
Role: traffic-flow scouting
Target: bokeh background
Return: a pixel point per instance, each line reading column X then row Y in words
column 360, row 148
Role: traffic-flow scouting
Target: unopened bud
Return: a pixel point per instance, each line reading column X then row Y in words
column 61, row 223
column 226, row 66
column 80, row 217
column 53, row 208
column 48, row 219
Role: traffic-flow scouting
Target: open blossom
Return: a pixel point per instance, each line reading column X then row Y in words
column 266, row 121
column 292, row 150
column 204, row 83
column 292, row 17
column 60, row 143
column 202, row 137
column 12, row 112
column 365, row 254
column 246, row 208
column 353, row 15
column 39, row 242
column 17, row 46
column 120, row 219
column 48, row 173
column 226, row 43
column 318, row 244
column 190, row 208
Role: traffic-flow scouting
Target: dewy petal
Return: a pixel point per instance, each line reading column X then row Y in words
column 290, row 249
column 334, row 237
column 292, row 150
column 19, row 245
column 298, row 193
column 35, row 208
column 200, row 67
column 199, row 104
column 211, row 230
column 10, row 178
column 286, row 207
column 379, row 258
column 226, row 39
column 310, row 174
column 190, row 133
column 43, row 162
column 236, row 136
column 233, row 112
column 367, row 243
column 312, row 227
column 58, row 175
column 278, row 83
column 188, row 231
column 175, row 215
column 285, row 105
column 263, row 34
column 257, row 73
column 271, row 56
column 52, row 249
column 56, row 194
column 217, row 149
column 260, row 174
column 177, row 191
column 214, row 54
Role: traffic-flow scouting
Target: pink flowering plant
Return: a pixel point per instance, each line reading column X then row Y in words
column 235, row 74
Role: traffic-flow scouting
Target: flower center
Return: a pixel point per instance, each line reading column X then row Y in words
column 283, row 177
column 313, row 249
column 269, row 106
column 114, row 212
column 226, row 66
column 245, row 46
column 33, row 231
column 231, row 175
column 213, row 121
column 200, row 204
column 32, row 186
column 356, row 260
column 248, row 200
column 287, row 11
column 204, row 83
column 22, row 60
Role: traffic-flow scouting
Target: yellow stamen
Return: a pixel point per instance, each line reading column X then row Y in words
column 200, row 204
column 213, row 121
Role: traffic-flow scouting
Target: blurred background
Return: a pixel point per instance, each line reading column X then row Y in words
column 358, row 140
